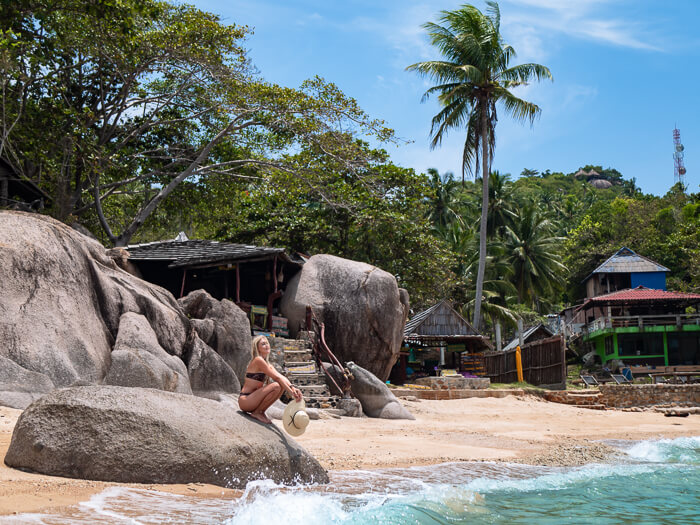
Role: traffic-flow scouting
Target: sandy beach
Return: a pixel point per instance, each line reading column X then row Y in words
column 517, row 429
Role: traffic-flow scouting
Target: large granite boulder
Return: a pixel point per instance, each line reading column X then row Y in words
column 376, row 398
column 19, row 386
column 208, row 371
column 150, row 436
column 138, row 360
column 360, row 305
column 62, row 298
column 223, row 326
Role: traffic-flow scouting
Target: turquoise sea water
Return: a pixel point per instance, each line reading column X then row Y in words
column 650, row 482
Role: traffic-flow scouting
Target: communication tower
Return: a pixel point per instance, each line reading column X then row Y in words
column 678, row 167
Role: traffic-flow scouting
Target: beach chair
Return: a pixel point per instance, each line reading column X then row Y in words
column 588, row 380
column 620, row 379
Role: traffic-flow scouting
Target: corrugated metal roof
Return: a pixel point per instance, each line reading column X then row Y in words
column 514, row 343
column 197, row 252
column 417, row 319
column 627, row 261
column 641, row 293
column 440, row 318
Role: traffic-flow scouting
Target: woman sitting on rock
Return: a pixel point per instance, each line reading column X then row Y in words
column 257, row 396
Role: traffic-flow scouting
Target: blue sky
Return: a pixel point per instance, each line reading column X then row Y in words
column 625, row 73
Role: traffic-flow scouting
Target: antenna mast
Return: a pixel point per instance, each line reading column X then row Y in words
column 678, row 167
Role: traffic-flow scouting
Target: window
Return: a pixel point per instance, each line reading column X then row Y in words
column 640, row 344
column 684, row 349
column 609, row 346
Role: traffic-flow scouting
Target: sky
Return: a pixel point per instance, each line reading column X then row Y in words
column 625, row 74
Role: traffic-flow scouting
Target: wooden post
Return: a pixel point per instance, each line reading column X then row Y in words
column 225, row 285
column 238, row 283
column 182, row 288
column 520, row 332
column 563, row 361
column 498, row 336
column 274, row 274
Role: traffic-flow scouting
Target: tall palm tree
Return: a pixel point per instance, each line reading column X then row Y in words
column 474, row 76
column 533, row 252
column 501, row 203
column 443, row 204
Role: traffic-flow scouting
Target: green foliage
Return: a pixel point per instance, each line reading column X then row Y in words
column 111, row 106
column 377, row 215
column 664, row 229
column 142, row 119
column 474, row 76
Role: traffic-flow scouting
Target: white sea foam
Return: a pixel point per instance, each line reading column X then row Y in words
column 684, row 450
column 449, row 492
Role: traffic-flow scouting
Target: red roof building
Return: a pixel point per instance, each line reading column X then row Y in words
column 643, row 326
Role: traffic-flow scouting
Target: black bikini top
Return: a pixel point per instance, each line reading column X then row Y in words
column 256, row 376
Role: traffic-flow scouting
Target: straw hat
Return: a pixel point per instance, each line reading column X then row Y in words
column 295, row 419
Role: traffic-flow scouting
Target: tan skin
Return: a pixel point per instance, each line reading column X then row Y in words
column 260, row 397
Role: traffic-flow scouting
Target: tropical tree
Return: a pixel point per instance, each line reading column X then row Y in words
column 473, row 78
column 110, row 106
column 501, row 203
column 443, row 204
column 533, row 252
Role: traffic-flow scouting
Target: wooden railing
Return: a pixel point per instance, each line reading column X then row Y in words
column 543, row 363
column 641, row 321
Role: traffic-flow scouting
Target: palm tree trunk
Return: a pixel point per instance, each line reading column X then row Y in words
column 484, row 217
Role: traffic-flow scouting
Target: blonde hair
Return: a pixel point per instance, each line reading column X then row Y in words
column 254, row 351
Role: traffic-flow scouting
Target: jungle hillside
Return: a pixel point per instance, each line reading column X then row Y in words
column 138, row 120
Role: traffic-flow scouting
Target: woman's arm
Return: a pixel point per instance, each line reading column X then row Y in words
column 271, row 372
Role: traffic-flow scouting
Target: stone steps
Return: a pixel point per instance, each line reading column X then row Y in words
column 589, row 398
column 293, row 364
column 297, row 354
column 314, row 390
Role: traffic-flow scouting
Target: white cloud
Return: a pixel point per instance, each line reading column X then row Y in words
column 524, row 20
column 576, row 95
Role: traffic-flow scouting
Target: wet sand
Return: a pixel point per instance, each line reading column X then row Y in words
column 517, row 429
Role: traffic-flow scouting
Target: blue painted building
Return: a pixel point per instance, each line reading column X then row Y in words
column 625, row 269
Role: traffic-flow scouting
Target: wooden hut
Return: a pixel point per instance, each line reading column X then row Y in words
column 254, row 277
column 439, row 338
column 625, row 269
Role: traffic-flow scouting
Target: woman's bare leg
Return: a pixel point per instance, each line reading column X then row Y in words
column 257, row 402
column 273, row 395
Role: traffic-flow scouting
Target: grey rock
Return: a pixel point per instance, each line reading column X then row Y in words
column 223, row 326
column 350, row 407
column 376, row 398
column 135, row 435
column 17, row 399
column 63, row 298
column 19, row 387
column 208, row 371
column 138, row 360
column 360, row 305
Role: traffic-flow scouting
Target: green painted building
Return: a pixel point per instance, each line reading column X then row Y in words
column 643, row 326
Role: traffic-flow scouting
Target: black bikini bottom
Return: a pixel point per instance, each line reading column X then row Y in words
column 244, row 394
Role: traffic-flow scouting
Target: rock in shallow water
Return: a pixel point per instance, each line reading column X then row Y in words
column 150, row 436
